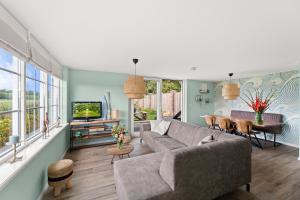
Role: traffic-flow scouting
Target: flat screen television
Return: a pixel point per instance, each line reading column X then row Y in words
column 86, row 110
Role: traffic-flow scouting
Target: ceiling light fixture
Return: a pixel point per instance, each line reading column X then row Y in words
column 134, row 86
column 230, row 91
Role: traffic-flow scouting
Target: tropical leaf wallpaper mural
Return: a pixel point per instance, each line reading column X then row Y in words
column 286, row 101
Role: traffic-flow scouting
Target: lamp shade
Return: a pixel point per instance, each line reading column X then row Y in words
column 134, row 87
column 230, row 91
column 13, row 139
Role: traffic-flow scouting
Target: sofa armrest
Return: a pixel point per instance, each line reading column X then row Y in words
column 218, row 166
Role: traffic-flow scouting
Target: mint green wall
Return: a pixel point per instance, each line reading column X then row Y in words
column 197, row 109
column 92, row 86
column 30, row 182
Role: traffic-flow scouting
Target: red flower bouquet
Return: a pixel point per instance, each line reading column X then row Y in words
column 258, row 103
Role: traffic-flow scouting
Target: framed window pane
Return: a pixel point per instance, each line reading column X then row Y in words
column 30, row 93
column 5, row 131
column 9, row 91
column 37, row 119
column 9, row 125
column 50, row 114
column 55, row 96
column 50, row 80
column 30, row 70
column 37, row 93
column 8, row 61
column 29, row 122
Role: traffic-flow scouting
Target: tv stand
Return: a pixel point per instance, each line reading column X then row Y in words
column 91, row 133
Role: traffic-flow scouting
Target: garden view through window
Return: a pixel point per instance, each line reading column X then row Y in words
column 170, row 101
column 42, row 94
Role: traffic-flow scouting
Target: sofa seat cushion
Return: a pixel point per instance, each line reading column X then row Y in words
column 160, row 143
column 169, row 143
column 139, row 178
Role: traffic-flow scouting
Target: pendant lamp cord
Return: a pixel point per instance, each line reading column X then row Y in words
column 134, row 73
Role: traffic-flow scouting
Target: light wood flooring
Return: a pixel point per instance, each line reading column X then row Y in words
column 275, row 174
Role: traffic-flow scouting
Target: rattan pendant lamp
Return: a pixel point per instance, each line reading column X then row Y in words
column 230, row 91
column 134, row 86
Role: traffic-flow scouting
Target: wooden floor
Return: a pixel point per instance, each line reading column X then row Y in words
column 275, row 174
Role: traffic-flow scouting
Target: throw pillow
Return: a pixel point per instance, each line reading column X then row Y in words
column 160, row 127
column 207, row 139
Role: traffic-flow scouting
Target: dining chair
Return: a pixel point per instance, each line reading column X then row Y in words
column 244, row 127
column 210, row 120
column 225, row 124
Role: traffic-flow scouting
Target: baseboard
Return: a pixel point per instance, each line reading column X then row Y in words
column 40, row 197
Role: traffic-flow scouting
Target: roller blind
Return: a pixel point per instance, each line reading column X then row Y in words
column 16, row 38
column 56, row 68
column 13, row 35
column 39, row 54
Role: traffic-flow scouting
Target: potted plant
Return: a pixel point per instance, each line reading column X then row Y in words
column 118, row 132
column 258, row 103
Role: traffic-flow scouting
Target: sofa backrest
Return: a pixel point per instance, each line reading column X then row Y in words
column 182, row 132
column 208, row 170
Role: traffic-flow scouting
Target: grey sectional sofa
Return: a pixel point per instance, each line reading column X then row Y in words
column 181, row 169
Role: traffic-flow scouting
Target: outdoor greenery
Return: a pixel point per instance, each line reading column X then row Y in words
column 151, row 88
column 5, row 129
column 151, row 114
column 167, row 86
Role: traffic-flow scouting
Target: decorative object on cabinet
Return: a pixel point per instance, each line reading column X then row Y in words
column 115, row 114
column 108, row 105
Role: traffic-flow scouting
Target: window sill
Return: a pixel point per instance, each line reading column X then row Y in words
column 9, row 171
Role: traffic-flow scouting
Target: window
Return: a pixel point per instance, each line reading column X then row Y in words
column 53, row 99
column 9, row 98
column 35, row 99
column 24, row 116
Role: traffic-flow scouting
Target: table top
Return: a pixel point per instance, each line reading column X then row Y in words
column 113, row 149
column 233, row 119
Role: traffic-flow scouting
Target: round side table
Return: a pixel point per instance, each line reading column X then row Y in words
column 115, row 151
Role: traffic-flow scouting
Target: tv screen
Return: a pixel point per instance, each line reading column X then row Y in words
column 86, row 110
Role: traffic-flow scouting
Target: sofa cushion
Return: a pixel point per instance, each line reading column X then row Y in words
column 138, row 178
column 169, row 143
column 160, row 127
column 160, row 143
column 182, row 132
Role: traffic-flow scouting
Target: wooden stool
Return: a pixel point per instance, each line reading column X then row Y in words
column 60, row 175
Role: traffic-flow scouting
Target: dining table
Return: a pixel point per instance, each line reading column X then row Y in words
column 255, row 126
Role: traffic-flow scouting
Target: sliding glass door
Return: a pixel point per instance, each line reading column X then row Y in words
column 147, row 108
column 163, row 100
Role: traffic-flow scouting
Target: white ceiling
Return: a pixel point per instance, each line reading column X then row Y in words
column 169, row 36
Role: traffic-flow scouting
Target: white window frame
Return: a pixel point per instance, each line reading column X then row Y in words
column 26, row 141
